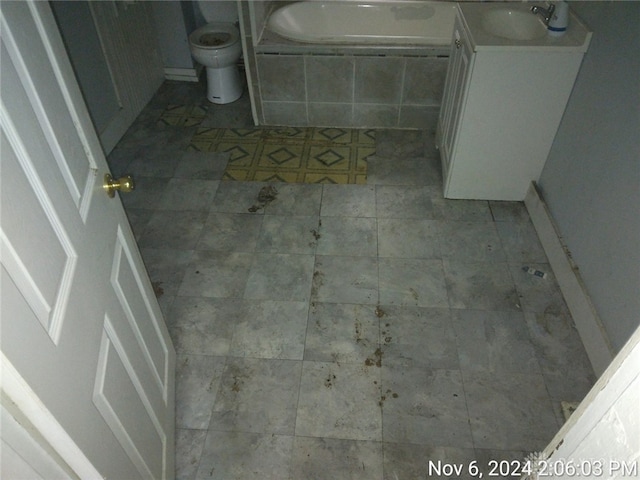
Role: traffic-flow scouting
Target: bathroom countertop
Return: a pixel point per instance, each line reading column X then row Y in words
column 576, row 39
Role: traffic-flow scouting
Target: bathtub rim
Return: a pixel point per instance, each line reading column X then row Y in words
column 272, row 42
column 409, row 37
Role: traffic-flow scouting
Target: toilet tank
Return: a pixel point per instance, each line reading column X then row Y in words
column 218, row 11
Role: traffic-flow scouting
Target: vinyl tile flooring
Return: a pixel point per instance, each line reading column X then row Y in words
column 344, row 331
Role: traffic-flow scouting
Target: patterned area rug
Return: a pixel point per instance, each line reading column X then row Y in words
column 290, row 154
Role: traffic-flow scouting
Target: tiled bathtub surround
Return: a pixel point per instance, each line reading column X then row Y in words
column 345, row 331
column 299, row 84
column 350, row 90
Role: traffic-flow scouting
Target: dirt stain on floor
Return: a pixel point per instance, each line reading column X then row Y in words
column 358, row 329
column 157, row 289
column 328, row 382
column 236, row 384
column 375, row 359
column 315, row 232
column 266, row 195
column 316, row 283
column 387, row 394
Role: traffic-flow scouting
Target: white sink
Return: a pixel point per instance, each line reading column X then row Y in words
column 513, row 24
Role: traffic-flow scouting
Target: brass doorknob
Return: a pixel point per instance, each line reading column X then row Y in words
column 124, row 184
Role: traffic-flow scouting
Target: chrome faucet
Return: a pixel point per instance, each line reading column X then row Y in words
column 546, row 13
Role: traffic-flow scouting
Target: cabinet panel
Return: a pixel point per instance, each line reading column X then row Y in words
column 500, row 112
column 455, row 88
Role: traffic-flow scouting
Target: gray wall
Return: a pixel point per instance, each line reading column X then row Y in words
column 174, row 22
column 87, row 57
column 591, row 181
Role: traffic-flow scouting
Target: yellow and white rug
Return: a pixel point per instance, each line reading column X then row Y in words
column 290, row 154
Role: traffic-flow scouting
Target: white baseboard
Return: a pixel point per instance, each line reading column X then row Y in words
column 587, row 321
column 182, row 74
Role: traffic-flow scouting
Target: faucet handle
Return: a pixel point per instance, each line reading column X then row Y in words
column 550, row 10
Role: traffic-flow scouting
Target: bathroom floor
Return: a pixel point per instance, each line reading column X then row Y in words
column 356, row 331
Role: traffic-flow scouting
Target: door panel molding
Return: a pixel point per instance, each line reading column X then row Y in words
column 125, row 281
column 44, row 275
column 111, row 395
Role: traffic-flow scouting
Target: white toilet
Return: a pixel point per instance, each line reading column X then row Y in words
column 217, row 46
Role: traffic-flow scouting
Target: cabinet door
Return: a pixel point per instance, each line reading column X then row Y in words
column 455, row 86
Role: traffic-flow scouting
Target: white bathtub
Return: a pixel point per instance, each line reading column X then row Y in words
column 356, row 22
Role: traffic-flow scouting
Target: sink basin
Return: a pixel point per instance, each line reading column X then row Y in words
column 513, row 24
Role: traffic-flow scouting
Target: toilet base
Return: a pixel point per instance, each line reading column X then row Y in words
column 224, row 85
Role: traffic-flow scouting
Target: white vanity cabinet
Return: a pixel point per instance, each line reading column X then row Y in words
column 502, row 105
column 454, row 91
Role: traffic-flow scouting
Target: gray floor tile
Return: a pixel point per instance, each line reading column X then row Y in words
column 201, row 165
column 197, row 380
column 296, row 199
column 565, row 365
column 403, row 171
column 408, row 238
column 148, row 192
column 166, row 268
column 230, row 232
column 482, row 286
column 216, row 274
column 415, row 282
column 332, row 459
column 509, row 211
column 520, row 242
column 418, row 337
column 345, row 280
column 119, row 159
column 348, row 236
column 245, row 456
column 348, row 201
column 339, row 401
column 403, row 202
column 203, row 326
column 157, row 161
column 342, row 333
column 189, row 445
column 187, row 194
column 270, row 329
column 494, row 341
column 258, row 396
column 509, row 411
column 409, row 461
column 238, row 197
column 178, row 230
column 540, row 295
column 289, row 234
column 138, row 220
column 500, row 464
column 280, row 276
column 471, row 242
column 425, row 406
column 461, row 210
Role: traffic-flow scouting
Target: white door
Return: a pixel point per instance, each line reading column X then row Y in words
column 87, row 363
